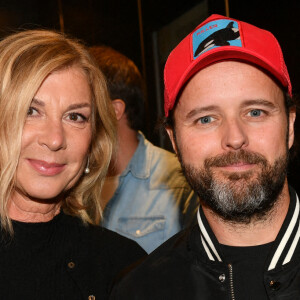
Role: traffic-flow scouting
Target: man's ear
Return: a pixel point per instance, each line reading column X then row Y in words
column 292, row 118
column 170, row 132
column 119, row 107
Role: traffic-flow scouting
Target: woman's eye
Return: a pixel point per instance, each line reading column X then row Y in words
column 255, row 113
column 76, row 117
column 205, row 120
column 31, row 111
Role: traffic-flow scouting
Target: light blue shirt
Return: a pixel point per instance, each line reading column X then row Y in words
column 153, row 201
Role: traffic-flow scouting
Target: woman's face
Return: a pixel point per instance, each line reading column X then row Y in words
column 56, row 136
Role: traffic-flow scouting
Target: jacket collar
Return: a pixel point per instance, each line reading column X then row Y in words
column 140, row 163
column 284, row 245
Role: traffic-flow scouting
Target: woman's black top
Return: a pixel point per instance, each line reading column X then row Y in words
column 62, row 259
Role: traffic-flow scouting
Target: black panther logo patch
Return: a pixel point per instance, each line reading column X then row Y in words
column 219, row 38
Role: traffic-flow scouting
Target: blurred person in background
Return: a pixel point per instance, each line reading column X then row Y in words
column 145, row 197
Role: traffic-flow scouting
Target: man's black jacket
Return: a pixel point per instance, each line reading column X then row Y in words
column 190, row 266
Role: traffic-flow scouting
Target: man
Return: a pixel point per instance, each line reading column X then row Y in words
column 230, row 118
column 145, row 196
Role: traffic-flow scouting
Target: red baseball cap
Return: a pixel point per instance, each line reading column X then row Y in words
column 220, row 38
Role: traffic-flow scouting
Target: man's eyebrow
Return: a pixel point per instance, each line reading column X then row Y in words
column 200, row 110
column 258, row 102
column 71, row 107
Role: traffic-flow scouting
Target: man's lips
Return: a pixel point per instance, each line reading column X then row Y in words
column 238, row 167
column 46, row 168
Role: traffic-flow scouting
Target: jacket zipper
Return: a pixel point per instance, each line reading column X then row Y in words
column 231, row 281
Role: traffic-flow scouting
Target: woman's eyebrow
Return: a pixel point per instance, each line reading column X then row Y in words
column 38, row 102
column 79, row 105
column 70, row 107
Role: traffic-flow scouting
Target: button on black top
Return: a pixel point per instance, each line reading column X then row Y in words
column 274, row 285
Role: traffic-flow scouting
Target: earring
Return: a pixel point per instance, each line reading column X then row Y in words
column 87, row 169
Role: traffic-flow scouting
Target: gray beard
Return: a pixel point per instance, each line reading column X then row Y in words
column 238, row 197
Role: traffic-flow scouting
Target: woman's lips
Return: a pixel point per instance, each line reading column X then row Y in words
column 45, row 168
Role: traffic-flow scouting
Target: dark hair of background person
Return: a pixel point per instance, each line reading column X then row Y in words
column 124, row 82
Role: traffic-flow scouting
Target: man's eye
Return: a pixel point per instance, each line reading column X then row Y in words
column 205, row 120
column 255, row 113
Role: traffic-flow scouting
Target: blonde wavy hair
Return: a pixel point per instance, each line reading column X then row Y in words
column 26, row 59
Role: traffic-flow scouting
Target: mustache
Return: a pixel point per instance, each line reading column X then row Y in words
column 240, row 156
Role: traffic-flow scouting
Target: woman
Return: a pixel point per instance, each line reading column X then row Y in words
column 57, row 133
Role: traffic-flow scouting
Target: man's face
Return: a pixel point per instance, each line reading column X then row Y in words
column 232, row 138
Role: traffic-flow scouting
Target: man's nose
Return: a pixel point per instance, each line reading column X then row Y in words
column 234, row 135
column 52, row 135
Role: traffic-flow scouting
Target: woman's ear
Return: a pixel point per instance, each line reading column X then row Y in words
column 119, row 107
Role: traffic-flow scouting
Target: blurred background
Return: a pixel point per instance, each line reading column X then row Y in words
column 147, row 30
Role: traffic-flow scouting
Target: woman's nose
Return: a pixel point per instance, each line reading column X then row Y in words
column 52, row 135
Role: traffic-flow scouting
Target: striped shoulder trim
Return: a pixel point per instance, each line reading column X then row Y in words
column 288, row 236
column 207, row 243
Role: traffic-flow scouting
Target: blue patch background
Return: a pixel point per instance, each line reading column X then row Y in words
column 197, row 39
